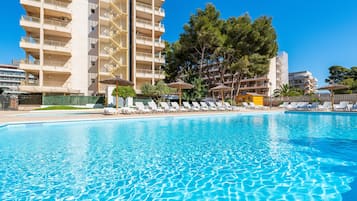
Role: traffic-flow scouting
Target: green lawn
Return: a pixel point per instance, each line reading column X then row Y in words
column 62, row 107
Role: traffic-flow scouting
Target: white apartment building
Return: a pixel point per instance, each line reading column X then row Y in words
column 265, row 85
column 72, row 45
column 10, row 76
column 303, row 80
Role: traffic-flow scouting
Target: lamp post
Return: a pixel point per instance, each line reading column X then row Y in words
column 271, row 101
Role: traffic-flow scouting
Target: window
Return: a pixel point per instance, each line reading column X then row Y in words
column 93, row 63
column 93, row 81
column 92, row 28
column 92, row 45
column 92, row 10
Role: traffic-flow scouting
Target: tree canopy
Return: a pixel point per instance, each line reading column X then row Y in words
column 156, row 91
column 124, row 92
column 345, row 76
column 285, row 90
column 239, row 45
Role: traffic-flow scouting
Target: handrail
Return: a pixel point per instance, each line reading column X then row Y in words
column 30, row 39
column 55, row 43
column 61, row 23
column 30, row 18
column 57, row 3
column 26, row 61
column 143, row 54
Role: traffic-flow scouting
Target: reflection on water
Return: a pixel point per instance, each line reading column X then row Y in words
column 247, row 157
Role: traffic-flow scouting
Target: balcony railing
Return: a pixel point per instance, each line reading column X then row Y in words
column 56, row 43
column 30, row 19
column 30, row 83
column 60, row 23
column 31, row 62
column 57, row 3
column 29, row 39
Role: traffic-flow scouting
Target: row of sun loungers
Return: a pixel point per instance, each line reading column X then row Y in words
column 173, row 107
column 326, row 106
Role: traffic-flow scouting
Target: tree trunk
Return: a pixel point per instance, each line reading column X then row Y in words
column 232, row 86
column 238, row 85
column 201, row 62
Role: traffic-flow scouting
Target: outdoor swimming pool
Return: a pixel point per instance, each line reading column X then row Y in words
column 247, row 157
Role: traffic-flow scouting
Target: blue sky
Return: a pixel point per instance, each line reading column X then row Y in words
column 315, row 33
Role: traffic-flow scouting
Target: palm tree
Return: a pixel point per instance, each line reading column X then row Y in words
column 284, row 91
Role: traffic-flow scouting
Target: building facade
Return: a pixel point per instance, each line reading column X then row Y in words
column 264, row 85
column 303, row 80
column 71, row 46
column 10, row 77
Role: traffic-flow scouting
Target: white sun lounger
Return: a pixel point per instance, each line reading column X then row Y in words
column 230, row 107
column 154, row 108
column 189, row 107
column 325, row 106
column 220, row 106
column 196, row 105
column 204, row 106
column 167, row 108
column 176, row 106
column 212, row 106
column 110, row 111
column 141, row 107
column 342, row 106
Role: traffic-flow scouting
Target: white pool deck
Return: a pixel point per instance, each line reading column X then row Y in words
column 18, row 117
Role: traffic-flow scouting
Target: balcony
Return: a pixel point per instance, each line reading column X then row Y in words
column 146, row 24
column 30, row 24
column 49, row 66
column 54, row 66
column 30, row 66
column 255, row 86
column 57, row 27
column 149, row 74
column 29, row 43
column 57, row 8
column 148, row 57
column 159, row 44
column 31, row 5
column 52, row 46
column 144, row 42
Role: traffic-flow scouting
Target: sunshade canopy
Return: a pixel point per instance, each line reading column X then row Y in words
column 221, row 87
column 117, row 81
column 333, row 87
column 179, row 84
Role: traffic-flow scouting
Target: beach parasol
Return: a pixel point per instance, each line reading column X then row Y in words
column 332, row 88
column 117, row 81
column 221, row 87
column 179, row 84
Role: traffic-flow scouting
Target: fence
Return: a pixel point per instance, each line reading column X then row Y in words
column 72, row 100
column 352, row 98
column 8, row 102
column 26, row 99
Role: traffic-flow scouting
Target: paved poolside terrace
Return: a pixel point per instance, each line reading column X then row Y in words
column 16, row 117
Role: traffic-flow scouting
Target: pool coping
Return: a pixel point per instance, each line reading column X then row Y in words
column 119, row 118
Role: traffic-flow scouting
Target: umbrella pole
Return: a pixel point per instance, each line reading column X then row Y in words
column 332, row 100
column 222, row 93
column 180, row 93
column 117, row 96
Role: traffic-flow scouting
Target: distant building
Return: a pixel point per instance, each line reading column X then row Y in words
column 264, row 85
column 303, row 80
column 10, row 77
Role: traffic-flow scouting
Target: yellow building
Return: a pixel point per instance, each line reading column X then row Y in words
column 257, row 99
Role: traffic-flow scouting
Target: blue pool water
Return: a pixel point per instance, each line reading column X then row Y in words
column 231, row 157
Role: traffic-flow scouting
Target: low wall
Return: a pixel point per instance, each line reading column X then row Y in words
column 72, row 100
column 352, row 98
